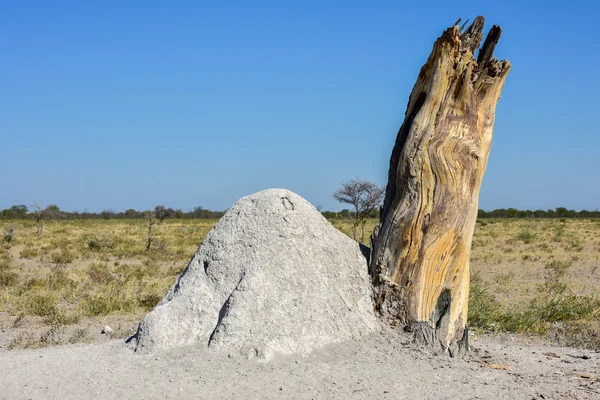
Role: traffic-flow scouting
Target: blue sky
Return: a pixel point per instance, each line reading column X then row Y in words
column 123, row 104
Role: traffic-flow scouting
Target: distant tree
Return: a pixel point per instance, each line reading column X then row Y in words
column 38, row 215
column 107, row 214
column 540, row 214
column 199, row 212
column 364, row 196
column 561, row 212
column 374, row 213
column 160, row 212
column 131, row 213
column 52, row 212
column 15, row 212
column 329, row 214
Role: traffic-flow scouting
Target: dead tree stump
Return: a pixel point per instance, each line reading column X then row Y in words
column 421, row 248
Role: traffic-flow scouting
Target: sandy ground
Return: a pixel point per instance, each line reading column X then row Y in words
column 382, row 366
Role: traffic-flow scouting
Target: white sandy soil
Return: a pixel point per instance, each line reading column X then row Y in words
column 381, row 366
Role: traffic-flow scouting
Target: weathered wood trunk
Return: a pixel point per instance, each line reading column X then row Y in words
column 421, row 248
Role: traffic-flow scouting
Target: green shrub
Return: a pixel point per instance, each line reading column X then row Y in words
column 97, row 243
column 484, row 309
column 41, row 305
column 553, row 303
column 527, row 236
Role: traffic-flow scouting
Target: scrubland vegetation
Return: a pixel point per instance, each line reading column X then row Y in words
column 83, row 273
column 532, row 276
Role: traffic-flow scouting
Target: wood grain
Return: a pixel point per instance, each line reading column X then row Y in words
column 421, row 247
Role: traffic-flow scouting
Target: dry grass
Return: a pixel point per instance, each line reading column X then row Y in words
column 83, row 272
column 537, row 276
column 64, row 285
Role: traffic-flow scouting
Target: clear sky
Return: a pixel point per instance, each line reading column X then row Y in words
column 129, row 104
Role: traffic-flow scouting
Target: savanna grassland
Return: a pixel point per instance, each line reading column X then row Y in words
column 531, row 276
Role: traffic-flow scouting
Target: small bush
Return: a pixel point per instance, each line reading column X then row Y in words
column 29, row 252
column 41, row 305
column 99, row 273
column 7, row 277
column 9, row 234
column 581, row 334
column 59, row 279
column 484, row 309
column 59, row 318
column 559, row 232
column 50, row 337
column 97, row 243
column 545, row 247
column 80, row 335
column 22, row 341
column 104, row 305
column 558, row 267
column 5, row 261
column 553, row 303
column 527, row 236
column 35, row 283
column 19, row 320
column 132, row 271
column 62, row 257
column 112, row 299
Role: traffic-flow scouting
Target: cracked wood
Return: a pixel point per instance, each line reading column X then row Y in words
column 423, row 242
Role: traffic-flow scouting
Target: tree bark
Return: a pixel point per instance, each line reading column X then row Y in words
column 421, row 248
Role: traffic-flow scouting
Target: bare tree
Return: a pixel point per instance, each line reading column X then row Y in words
column 150, row 221
column 38, row 214
column 364, row 196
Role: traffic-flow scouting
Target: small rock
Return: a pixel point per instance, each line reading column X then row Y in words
column 107, row 331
